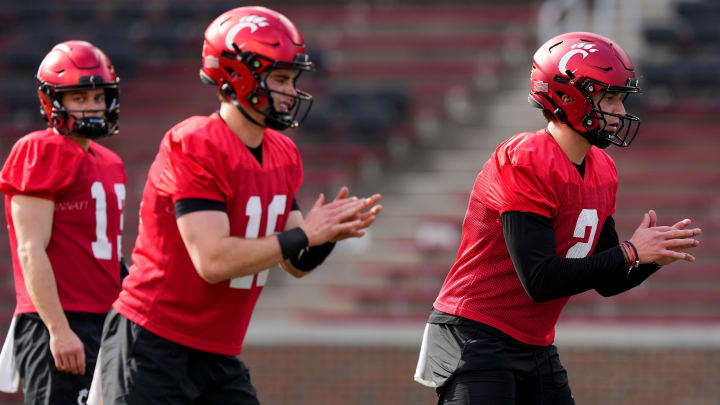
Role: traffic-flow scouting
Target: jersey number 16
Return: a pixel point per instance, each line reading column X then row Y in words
column 253, row 210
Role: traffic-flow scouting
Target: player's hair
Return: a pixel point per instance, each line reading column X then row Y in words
column 549, row 117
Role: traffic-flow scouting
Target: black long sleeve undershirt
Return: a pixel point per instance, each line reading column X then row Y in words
column 530, row 239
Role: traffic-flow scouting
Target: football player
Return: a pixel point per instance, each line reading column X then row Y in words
column 539, row 229
column 64, row 202
column 218, row 211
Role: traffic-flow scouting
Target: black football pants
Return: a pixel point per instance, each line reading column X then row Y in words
column 477, row 364
column 140, row 367
column 41, row 382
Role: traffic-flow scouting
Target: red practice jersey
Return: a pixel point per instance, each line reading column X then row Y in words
column 202, row 158
column 528, row 173
column 88, row 188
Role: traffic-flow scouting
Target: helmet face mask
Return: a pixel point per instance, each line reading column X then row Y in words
column 242, row 48
column 596, row 120
column 85, row 123
column 261, row 98
column 586, row 68
column 76, row 66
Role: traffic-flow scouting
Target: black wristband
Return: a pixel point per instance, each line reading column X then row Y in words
column 292, row 242
column 311, row 257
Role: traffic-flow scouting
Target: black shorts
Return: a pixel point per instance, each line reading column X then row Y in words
column 41, row 382
column 140, row 367
column 474, row 363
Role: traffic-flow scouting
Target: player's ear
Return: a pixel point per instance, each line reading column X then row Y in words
column 567, row 99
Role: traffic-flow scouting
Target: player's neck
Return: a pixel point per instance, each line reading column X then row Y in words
column 249, row 133
column 80, row 140
column 573, row 144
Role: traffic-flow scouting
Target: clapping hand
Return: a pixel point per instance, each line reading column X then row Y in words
column 664, row 244
column 344, row 217
column 365, row 217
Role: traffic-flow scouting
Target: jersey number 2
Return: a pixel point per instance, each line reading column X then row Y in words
column 253, row 209
column 102, row 248
column 588, row 217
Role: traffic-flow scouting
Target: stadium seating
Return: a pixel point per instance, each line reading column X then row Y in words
column 681, row 65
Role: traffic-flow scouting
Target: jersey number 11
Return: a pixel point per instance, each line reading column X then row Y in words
column 102, row 247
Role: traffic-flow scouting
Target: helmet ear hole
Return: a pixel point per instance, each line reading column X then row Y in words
column 564, row 97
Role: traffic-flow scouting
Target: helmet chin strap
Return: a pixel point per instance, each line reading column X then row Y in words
column 600, row 136
column 278, row 121
column 597, row 140
column 273, row 120
column 246, row 114
column 90, row 127
column 592, row 138
column 228, row 91
column 86, row 127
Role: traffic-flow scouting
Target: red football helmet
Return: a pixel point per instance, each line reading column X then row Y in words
column 242, row 46
column 582, row 65
column 72, row 66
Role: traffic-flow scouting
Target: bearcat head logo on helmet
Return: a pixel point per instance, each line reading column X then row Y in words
column 582, row 65
column 242, row 46
column 76, row 66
